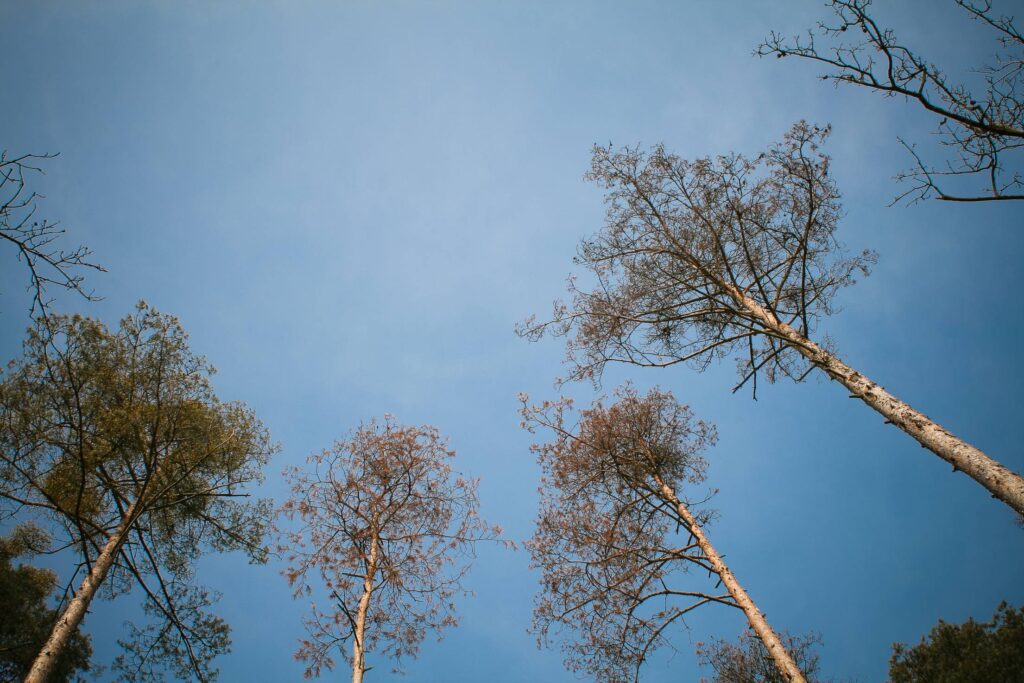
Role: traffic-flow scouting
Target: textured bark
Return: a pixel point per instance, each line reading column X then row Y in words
column 72, row 617
column 358, row 649
column 1001, row 482
column 757, row 621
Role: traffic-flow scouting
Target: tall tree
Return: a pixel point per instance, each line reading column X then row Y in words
column 981, row 124
column 389, row 530
column 115, row 440
column 608, row 539
column 34, row 239
column 964, row 653
column 704, row 259
column 25, row 616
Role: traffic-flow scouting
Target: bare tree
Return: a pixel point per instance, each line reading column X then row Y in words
column 982, row 126
column 115, row 441
column 608, row 539
column 748, row 661
column 35, row 239
column 704, row 259
column 390, row 531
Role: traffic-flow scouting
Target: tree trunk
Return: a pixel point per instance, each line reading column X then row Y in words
column 72, row 617
column 358, row 651
column 787, row 667
column 1002, row 483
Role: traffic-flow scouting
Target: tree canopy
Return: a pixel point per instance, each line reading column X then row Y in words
column 389, row 531
column 616, row 537
column 965, row 653
column 685, row 242
column 700, row 260
column 114, row 442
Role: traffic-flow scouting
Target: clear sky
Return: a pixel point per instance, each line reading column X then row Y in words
column 350, row 204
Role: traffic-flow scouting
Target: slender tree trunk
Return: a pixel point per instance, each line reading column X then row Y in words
column 1001, row 482
column 72, row 617
column 771, row 640
column 358, row 651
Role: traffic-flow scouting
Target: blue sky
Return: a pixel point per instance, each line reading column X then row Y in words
column 350, row 204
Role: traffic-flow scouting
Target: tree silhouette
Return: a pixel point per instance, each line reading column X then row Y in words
column 35, row 239
column 983, row 128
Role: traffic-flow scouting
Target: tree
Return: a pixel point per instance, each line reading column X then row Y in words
column 982, row 126
column 390, row 531
column 607, row 540
column 34, row 239
column 964, row 653
column 116, row 442
column 748, row 661
column 704, row 259
column 25, row 618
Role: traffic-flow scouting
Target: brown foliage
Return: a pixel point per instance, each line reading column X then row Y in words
column 383, row 518
column 732, row 256
column 687, row 245
column 612, row 550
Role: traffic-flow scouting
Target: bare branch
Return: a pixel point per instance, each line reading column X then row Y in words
column 982, row 125
column 36, row 241
column 701, row 259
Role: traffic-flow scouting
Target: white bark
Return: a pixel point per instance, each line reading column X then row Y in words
column 755, row 618
column 358, row 649
column 73, row 615
column 1001, row 482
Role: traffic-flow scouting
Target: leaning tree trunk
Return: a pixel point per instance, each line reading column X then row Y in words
column 1001, row 482
column 358, row 649
column 72, row 617
column 787, row 667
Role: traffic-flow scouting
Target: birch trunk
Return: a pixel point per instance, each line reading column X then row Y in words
column 72, row 617
column 755, row 618
column 1001, row 482
column 358, row 651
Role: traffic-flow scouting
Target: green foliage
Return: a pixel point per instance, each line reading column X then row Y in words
column 25, row 617
column 965, row 653
column 96, row 422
